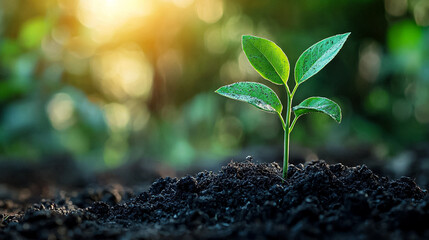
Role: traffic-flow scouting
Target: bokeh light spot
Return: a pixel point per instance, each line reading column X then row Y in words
column 123, row 73
column 141, row 117
column 421, row 13
column 237, row 26
column 60, row 111
column 378, row 100
column 210, row 11
column 51, row 49
column 118, row 116
column 214, row 41
column 405, row 40
column 60, row 34
column 396, row 7
column 370, row 61
column 33, row 32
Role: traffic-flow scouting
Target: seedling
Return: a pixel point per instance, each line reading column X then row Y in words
column 272, row 64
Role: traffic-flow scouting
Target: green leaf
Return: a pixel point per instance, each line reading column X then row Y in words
column 256, row 94
column 318, row 104
column 318, row 56
column 267, row 58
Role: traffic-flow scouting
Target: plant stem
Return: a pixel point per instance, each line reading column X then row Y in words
column 283, row 122
column 293, row 92
column 293, row 124
column 286, row 154
column 287, row 135
column 288, row 129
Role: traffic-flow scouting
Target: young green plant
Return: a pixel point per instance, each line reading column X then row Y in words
column 272, row 64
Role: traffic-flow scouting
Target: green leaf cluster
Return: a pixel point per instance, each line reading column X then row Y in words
column 271, row 63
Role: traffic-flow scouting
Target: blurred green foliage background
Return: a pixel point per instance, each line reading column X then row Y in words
column 111, row 81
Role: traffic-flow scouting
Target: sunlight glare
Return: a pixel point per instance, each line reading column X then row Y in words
column 182, row 3
column 107, row 16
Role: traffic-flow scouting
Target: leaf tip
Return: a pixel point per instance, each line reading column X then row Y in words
column 338, row 120
column 346, row 35
column 340, row 116
column 219, row 91
column 245, row 37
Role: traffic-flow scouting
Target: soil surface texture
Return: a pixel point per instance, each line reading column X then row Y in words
column 244, row 200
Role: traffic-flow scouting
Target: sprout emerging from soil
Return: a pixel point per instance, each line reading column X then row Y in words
column 271, row 63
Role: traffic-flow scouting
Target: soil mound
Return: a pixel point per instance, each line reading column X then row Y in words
column 242, row 201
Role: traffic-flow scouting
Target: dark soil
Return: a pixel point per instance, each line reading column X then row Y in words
column 242, row 201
